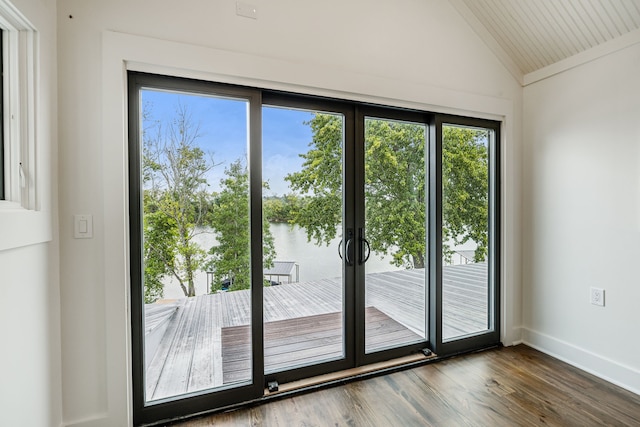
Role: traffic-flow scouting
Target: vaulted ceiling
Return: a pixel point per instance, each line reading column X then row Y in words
column 533, row 34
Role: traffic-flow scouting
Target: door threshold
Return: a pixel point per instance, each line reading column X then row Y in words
column 348, row 373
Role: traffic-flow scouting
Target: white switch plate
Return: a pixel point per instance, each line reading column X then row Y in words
column 83, row 226
column 247, row 10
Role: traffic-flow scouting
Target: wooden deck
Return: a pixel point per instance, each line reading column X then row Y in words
column 303, row 341
column 190, row 344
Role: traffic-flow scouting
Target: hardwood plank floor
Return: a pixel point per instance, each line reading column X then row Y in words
column 512, row 386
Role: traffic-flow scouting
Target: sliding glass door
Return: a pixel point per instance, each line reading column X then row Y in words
column 304, row 210
column 392, row 232
column 277, row 237
column 465, row 237
column 465, row 226
column 196, row 267
column 195, row 220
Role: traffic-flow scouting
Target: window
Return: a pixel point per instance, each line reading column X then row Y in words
column 17, row 96
column 24, row 220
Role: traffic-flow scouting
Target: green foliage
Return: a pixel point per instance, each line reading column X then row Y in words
column 160, row 241
column 321, row 179
column 395, row 187
column 175, row 203
column 465, row 183
column 274, row 210
column 281, row 209
column 231, row 257
column 395, row 190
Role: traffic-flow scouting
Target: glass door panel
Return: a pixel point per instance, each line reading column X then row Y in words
column 196, row 252
column 302, row 231
column 393, row 242
column 466, row 289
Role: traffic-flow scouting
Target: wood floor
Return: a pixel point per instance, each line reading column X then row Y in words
column 512, row 386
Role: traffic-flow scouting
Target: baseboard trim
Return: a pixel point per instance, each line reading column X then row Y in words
column 513, row 337
column 609, row 370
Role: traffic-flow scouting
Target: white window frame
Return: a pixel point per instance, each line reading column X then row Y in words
column 22, row 221
column 19, row 48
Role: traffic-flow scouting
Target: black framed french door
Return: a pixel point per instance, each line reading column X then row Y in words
column 308, row 145
column 276, row 237
column 347, row 192
column 390, row 221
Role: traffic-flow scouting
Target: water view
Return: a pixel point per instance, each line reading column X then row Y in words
column 316, row 262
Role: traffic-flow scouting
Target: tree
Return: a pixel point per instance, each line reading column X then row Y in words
column 395, row 190
column 395, row 187
column 160, row 241
column 465, row 188
column 230, row 219
column 320, row 180
column 281, row 209
column 175, row 202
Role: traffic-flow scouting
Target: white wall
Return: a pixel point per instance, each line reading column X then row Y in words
column 30, row 390
column 30, row 372
column 581, row 223
column 417, row 53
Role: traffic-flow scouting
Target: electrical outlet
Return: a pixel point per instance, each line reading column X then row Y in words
column 247, row 10
column 597, row 296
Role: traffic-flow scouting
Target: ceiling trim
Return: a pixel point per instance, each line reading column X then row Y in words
column 618, row 43
column 488, row 39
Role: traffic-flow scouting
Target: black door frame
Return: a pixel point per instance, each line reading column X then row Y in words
column 288, row 100
column 364, row 112
column 196, row 402
column 353, row 218
column 491, row 336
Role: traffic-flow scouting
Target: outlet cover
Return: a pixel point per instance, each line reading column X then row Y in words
column 597, row 296
column 246, row 9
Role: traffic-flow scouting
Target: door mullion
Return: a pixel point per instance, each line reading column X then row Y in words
column 435, row 235
column 358, row 223
column 257, row 290
column 348, row 212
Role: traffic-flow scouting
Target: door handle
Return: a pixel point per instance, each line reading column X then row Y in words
column 347, row 250
column 364, row 243
column 347, row 247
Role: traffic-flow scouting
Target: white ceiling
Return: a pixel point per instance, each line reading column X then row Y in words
column 534, row 34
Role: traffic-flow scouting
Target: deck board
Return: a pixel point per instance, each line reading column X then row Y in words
column 191, row 355
column 301, row 341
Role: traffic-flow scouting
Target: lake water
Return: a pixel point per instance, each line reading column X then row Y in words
column 316, row 262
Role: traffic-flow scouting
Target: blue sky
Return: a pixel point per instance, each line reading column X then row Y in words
column 223, row 132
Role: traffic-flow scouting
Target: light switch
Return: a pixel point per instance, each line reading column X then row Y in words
column 83, row 226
